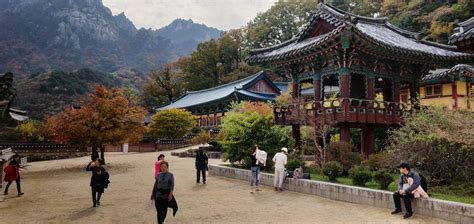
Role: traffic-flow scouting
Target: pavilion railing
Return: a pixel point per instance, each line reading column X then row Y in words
column 341, row 110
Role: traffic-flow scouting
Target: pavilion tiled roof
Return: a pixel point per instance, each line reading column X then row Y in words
column 377, row 31
column 464, row 31
column 461, row 69
column 223, row 93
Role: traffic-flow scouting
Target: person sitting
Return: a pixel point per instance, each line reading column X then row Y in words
column 406, row 190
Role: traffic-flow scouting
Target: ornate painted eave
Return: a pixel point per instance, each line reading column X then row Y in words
column 451, row 73
column 377, row 33
column 463, row 32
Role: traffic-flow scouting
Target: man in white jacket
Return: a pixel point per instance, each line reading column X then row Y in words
column 280, row 160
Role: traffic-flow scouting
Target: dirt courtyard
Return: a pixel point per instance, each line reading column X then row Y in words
column 59, row 192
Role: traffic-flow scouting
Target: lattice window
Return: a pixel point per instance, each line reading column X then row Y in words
column 433, row 90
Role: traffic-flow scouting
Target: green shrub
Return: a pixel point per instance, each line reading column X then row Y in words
column 216, row 146
column 241, row 130
column 360, row 175
column 202, row 138
column 342, row 152
column 196, row 130
column 294, row 163
column 375, row 161
column 332, row 170
column 384, row 178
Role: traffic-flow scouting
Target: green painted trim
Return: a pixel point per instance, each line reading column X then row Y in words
column 344, row 71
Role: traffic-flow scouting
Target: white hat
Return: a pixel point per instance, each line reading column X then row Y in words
column 284, row 150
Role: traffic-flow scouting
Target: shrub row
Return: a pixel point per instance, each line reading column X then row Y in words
column 360, row 175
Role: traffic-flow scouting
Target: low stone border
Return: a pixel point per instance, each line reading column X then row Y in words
column 451, row 211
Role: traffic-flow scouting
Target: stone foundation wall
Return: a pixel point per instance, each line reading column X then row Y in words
column 451, row 211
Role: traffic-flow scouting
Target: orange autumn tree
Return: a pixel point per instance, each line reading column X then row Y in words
column 104, row 117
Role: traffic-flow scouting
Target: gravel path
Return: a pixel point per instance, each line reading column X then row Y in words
column 59, row 192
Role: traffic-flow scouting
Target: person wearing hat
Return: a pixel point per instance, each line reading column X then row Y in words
column 405, row 190
column 280, row 160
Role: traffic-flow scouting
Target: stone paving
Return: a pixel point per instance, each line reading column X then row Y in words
column 59, row 192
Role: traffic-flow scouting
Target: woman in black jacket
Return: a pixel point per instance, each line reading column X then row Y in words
column 201, row 166
column 99, row 179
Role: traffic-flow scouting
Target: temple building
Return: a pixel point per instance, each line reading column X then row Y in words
column 210, row 105
column 360, row 58
column 7, row 95
column 451, row 87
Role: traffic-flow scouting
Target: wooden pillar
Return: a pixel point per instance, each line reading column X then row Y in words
column 344, row 133
column 294, row 90
column 215, row 118
column 317, row 88
column 396, row 90
column 468, row 93
column 344, row 88
column 454, row 96
column 370, row 87
column 295, row 132
column 367, row 135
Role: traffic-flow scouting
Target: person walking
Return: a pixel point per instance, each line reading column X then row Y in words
column 201, row 166
column 99, row 179
column 406, row 190
column 280, row 160
column 12, row 173
column 162, row 192
column 160, row 159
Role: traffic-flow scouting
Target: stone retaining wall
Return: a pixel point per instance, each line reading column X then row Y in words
column 451, row 211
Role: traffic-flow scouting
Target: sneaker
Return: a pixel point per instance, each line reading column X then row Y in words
column 258, row 189
column 276, row 188
column 20, row 194
column 98, row 203
column 204, row 182
column 407, row 215
column 281, row 189
column 251, row 190
column 94, row 205
column 396, row 211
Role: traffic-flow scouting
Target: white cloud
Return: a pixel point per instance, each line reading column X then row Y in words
column 221, row 14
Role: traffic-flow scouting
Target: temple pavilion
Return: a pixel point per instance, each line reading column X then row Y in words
column 209, row 105
column 362, row 58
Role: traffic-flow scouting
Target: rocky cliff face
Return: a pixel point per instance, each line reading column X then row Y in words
column 39, row 35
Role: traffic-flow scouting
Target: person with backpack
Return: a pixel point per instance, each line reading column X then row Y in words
column 99, row 179
column 409, row 184
column 201, row 166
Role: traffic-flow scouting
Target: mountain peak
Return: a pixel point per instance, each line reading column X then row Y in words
column 183, row 30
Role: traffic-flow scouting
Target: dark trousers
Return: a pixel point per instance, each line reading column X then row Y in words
column 96, row 194
column 406, row 198
column 18, row 186
column 198, row 175
column 161, row 205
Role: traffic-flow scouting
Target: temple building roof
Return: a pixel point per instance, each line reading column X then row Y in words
column 374, row 32
column 463, row 32
column 450, row 73
column 243, row 89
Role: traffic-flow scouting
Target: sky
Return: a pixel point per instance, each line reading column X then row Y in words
column 220, row 14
